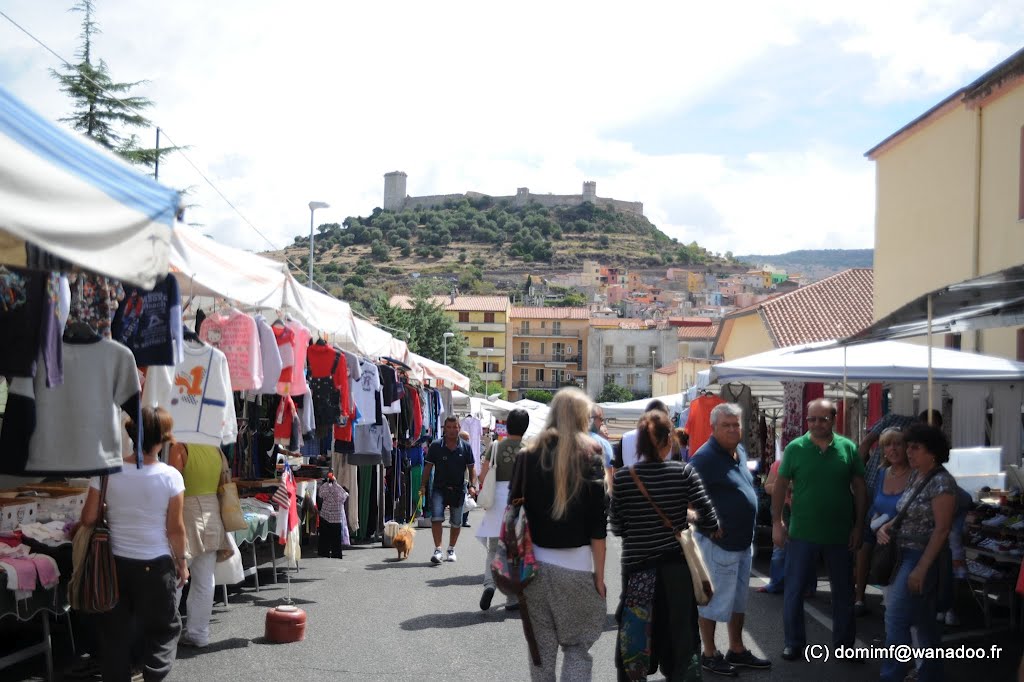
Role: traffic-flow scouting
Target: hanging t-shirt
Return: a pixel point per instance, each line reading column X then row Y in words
column 300, row 342
column 286, row 347
column 475, row 428
column 23, row 295
column 286, row 424
column 82, row 416
column 94, row 301
column 366, row 392
column 270, row 357
column 149, row 323
column 198, row 397
column 698, row 423
column 329, row 385
column 235, row 334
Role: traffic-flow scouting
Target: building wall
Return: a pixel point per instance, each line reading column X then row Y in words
column 748, row 336
column 475, row 340
column 665, row 340
column 574, row 335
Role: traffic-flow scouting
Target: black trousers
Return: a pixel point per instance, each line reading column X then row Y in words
column 146, row 610
column 329, row 539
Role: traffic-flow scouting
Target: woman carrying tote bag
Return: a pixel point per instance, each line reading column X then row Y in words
column 147, row 535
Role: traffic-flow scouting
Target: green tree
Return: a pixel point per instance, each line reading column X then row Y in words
column 613, row 393
column 573, row 299
column 538, row 395
column 379, row 250
column 104, row 108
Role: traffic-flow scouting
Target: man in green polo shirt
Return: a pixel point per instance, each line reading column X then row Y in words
column 827, row 518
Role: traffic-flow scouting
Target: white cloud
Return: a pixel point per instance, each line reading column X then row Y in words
column 286, row 104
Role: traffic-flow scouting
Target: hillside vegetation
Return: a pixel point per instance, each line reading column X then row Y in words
column 834, row 259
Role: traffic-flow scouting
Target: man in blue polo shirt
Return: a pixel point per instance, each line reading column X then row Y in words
column 450, row 458
column 722, row 465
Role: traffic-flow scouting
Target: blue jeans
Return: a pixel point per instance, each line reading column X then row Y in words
column 777, row 573
column 905, row 610
column 801, row 559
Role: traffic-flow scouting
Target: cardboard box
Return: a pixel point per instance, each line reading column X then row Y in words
column 16, row 511
column 57, row 502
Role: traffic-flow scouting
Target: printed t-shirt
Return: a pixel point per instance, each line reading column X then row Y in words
column 137, row 502
column 23, row 297
column 149, row 323
column 822, row 510
column 80, row 420
column 300, row 343
column 94, row 301
column 286, row 348
column 366, row 392
column 198, row 397
column 919, row 522
column 235, row 334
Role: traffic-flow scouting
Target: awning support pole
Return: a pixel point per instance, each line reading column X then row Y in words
column 930, row 360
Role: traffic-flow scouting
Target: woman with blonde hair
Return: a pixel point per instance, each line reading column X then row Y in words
column 562, row 475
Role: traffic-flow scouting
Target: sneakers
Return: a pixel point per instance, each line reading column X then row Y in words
column 747, row 660
column 186, row 641
column 718, row 665
column 485, row 599
column 451, row 555
column 437, row 557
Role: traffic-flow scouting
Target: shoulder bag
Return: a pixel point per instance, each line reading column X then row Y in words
column 514, row 564
column 885, row 559
column 227, row 495
column 488, row 490
column 93, row 587
column 703, row 590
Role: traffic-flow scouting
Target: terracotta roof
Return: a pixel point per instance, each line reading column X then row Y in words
column 706, row 332
column 832, row 308
column 548, row 313
column 668, row 369
column 497, row 304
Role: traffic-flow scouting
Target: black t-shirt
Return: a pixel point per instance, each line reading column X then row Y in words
column 449, row 465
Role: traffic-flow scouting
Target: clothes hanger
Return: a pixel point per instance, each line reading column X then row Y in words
column 76, row 330
column 189, row 335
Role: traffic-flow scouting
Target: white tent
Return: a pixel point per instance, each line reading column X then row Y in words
column 889, row 361
column 437, row 371
column 329, row 315
column 66, row 195
column 634, row 408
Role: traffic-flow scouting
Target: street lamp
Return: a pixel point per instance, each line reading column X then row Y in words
column 654, row 352
column 313, row 206
column 445, row 337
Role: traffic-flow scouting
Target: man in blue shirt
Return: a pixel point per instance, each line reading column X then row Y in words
column 450, row 459
column 722, row 465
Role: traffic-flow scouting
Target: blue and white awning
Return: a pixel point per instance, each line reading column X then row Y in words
column 75, row 200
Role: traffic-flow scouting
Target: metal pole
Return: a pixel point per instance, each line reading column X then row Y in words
column 930, row 360
column 444, row 342
column 156, row 158
column 310, row 282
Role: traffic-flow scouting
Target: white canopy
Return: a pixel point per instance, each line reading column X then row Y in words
column 632, row 410
column 437, row 371
column 890, row 361
column 328, row 315
column 75, row 200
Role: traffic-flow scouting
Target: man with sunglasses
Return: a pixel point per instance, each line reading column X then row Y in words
column 827, row 518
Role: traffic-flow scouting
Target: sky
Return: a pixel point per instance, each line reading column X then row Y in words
column 741, row 125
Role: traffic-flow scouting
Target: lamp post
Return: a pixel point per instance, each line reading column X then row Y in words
column 313, row 206
column 654, row 353
column 444, row 342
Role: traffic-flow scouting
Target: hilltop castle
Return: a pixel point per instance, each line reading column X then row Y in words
column 395, row 198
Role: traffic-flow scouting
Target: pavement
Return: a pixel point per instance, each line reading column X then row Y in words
column 371, row 617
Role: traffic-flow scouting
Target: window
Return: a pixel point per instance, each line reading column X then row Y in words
column 463, row 317
column 542, row 347
column 543, row 324
column 630, row 380
column 491, row 367
column 489, row 318
column 609, row 355
column 524, row 350
column 953, row 341
column 488, row 342
column 524, row 375
column 540, row 375
column 524, row 328
column 630, row 355
column 609, row 379
column 556, row 328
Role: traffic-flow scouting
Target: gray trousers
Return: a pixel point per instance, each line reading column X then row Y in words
column 492, row 548
column 566, row 611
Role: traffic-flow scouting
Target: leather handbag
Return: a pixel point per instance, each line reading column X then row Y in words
column 485, row 500
column 230, row 506
column 703, row 589
column 93, row 587
column 885, row 559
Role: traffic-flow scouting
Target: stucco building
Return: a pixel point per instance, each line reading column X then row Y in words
column 627, row 352
column 547, row 349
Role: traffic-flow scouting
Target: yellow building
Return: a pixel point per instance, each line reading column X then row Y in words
column 950, row 198
column 547, row 349
column 482, row 321
column 832, row 308
column 695, row 282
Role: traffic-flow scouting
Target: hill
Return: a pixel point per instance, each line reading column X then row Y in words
column 483, row 245
column 815, row 263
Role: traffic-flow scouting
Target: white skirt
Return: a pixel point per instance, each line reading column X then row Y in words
column 490, row 526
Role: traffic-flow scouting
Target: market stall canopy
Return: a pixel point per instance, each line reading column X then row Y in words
column 66, row 195
column 994, row 300
column 438, row 372
column 205, row 267
column 633, row 409
column 890, row 361
column 327, row 315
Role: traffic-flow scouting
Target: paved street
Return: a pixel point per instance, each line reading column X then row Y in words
column 372, row 618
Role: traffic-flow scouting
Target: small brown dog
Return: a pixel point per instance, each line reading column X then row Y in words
column 403, row 541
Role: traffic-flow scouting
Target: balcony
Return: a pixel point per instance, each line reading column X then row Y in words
column 573, row 359
column 548, row 333
column 481, row 327
column 548, row 385
column 491, row 376
column 475, row 351
column 630, row 364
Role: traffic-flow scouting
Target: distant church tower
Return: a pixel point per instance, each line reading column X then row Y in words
column 394, row 191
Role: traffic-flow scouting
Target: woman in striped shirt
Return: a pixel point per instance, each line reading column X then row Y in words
column 657, row 613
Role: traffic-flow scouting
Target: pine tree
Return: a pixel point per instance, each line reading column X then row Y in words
column 103, row 108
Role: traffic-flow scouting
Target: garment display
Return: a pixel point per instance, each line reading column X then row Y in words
column 286, row 349
column 741, row 395
column 29, row 323
column 83, row 436
column 270, row 357
column 1006, row 429
column 475, row 428
column 698, row 423
column 287, row 429
column 300, row 345
column 792, row 411
column 94, row 301
column 149, row 323
column 366, row 393
column 329, row 386
column 235, row 334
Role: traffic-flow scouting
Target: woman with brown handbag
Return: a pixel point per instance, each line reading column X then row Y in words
column 201, row 467
column 147, row 536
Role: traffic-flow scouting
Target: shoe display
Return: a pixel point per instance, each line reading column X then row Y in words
column 747, row 659
column 717, row 665
column 485, row 599
column 451, row 555
column 437, row 557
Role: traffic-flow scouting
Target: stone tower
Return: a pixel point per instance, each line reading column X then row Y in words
column 590, row 191
column 394, row 191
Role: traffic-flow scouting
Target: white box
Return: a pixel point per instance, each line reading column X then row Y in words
column 975, row 461
column 973, row 484
column 14, row 512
